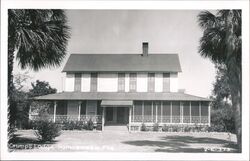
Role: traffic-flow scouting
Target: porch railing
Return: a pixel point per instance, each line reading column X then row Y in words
column 63, row 118
column 170, row 119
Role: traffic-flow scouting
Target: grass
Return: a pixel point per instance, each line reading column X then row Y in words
column 122, row 141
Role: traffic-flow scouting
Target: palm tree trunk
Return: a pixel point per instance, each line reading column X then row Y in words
column 11, row 102
column 236, row 102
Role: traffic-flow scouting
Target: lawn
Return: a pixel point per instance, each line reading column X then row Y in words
column 122, row 141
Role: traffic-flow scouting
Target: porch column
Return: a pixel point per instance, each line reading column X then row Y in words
column 129, row 119
column 103, row 118
column 170, row 111
column 200, row 110
column 156, row 112
column 190, row 115
column 142, row 111
column 209, row 112
column 79, row 110
column 181, row 112
column 55, row 105
column 161, row 110
column 152, row 112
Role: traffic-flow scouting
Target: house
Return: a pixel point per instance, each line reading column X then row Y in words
column 128, row 89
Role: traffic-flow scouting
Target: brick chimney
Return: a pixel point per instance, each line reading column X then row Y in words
column 145, row 49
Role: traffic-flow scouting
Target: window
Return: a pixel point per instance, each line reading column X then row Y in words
column 151, row 82
column 132, row 82
column 121, row 82
column 93, row 86
column 166, row 82
column 78, row 77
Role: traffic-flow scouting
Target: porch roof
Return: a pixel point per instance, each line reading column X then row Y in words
column 169, row 96
column 116, row 103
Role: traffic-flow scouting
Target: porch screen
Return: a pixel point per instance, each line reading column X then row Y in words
column 195, row 112
column 176, row 112
column 83, row 107
column 204, row 112
column 137, row 111
column 186, row 112
column 147, row 111
column 204, row 108
column 166, row 111
column 61, row 108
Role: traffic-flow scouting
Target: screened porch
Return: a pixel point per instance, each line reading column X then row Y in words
column 171, row 112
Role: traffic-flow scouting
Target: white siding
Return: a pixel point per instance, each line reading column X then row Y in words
column 126, row 82
column 85, row 82
column 142, row 82
column 69, row 82
column 173, row 82
column 91, row 108
column 107, row 82
column 158, row 82
column 72, row 108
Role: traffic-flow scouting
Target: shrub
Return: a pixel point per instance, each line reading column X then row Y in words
column 165, row 128
column 175, row 128
column 90, row 125
column 47, row 131
column 187, row 129
column 143, row 127
column 156, row 127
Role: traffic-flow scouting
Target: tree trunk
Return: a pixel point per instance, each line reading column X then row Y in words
column 11, row 101
column 236, row 102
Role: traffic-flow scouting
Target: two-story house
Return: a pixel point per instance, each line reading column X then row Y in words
column 128, row 89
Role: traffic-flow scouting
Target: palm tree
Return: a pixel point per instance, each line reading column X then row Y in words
column 221, row 42
column 37, row 39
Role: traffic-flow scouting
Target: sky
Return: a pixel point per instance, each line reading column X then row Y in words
column 123, row 31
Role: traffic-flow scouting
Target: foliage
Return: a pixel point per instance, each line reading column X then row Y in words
column 222, row 119
column 47, row 131
column 221, row 42
column 40, row 88
column 143, row 127
column 156, row 127
column 90, row 125
column 39, row 39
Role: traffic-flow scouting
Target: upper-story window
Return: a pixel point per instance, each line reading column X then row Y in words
column 121, row 82
column 78, row 77
column 151, row 82
column 132, row 82
column 166, row 82
column 93, row 82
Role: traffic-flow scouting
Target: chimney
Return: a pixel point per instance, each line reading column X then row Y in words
column 145, row 49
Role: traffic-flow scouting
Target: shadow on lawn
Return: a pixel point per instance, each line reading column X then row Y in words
column 182, row 144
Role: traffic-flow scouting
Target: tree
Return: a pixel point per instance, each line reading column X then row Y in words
column 221, row 42
column 222, row 119
column 40, row 88
column 39, row 39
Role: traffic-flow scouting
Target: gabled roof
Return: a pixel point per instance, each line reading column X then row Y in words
column 123, row 63
column 173, row 96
